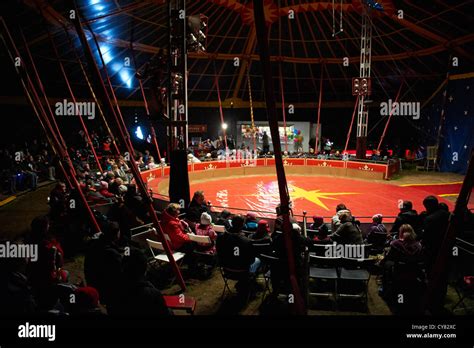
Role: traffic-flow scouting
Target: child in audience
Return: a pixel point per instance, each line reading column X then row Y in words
column 251, row 222
column 205, row 229
column 262, row 233
column 319, row 225
column 322, row 237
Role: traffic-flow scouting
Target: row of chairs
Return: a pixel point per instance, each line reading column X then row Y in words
column 352, row 273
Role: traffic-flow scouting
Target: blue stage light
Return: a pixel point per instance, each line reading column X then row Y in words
column 374, row 4
column 126, row 77
column 139, row 133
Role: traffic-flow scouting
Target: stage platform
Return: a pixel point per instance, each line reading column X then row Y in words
column 315, row 186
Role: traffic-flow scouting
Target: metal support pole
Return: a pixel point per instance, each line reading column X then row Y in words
column 365, row 65
column 133, row 166
column 298, row 307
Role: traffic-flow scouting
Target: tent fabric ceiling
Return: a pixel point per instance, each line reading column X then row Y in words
column 416, row 48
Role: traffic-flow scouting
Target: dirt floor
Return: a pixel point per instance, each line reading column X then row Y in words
column 16, row 216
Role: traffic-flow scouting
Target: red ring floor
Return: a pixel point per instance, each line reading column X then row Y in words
column 319, row 195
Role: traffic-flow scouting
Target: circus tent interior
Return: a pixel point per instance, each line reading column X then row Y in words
column 268, row 158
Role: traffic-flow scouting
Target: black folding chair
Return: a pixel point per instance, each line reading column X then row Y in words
column 324, row 269
column 267, row 262
column 353, row 273
column 233, row 274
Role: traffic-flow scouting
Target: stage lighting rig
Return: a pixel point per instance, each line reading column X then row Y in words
column 197, row 33
column 361, row 86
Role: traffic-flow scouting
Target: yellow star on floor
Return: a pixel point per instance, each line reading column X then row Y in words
column 315, row 196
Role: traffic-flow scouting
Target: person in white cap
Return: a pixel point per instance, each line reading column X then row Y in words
column 205, row 228
column 193, row 159
column 378, row 235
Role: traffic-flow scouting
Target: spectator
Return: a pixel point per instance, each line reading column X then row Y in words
column 406, row 251
column 103, row 265
column 406, row 248
column 244, row 259
column 48, row 270
column 378, row 234
column 322, row 237
column 16, row 297
column 92, row 195
column 174, row 228
column 106, row 147
column 151, row 163
column 119, row 172
column 30, row 170
column 444, row 207
column 347, row 232
column 197, row 207
column 435, row 224
column 251, row 222
column 319, row 225
column 104, row 190
column 58, row 200
column 126, row 219
column 205, row 229
column 114, row 184
column 262, row 234
column 138, row 297
column 193, row 159
column 280, row 271
column 407, row 216
column 146, row 156
column 335, row 222
column 265, row 143
column 87, row 303
column 224, row 219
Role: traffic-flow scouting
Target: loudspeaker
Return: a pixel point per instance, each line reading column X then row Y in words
column 361, row 147
column 179, row 178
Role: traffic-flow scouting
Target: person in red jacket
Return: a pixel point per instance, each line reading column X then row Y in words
column 175, row 228
column 104, row 190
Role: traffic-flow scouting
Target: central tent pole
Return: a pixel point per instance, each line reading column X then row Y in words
column 298, row 307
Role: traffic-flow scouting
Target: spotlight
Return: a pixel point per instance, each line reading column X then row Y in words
column 197, row 25
column 224, row 126
column 139, row 133
column 361, row 86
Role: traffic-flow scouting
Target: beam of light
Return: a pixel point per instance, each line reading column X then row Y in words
column 126, row 77
column 106, row 52
column 108, row 33
column 116, row 67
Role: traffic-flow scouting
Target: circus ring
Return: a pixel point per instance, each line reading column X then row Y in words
column 316, row 186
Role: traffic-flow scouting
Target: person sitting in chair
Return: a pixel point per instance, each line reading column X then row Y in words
column 235, row 252
column 175, row 229
column 251, row 222
column 406, row 216
column 262, row 234
column 378, row 234
column 340, row 209
column 319, row 225
column 197, row 207
column 405, row 250
column 205, row 229
column 348, row 232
